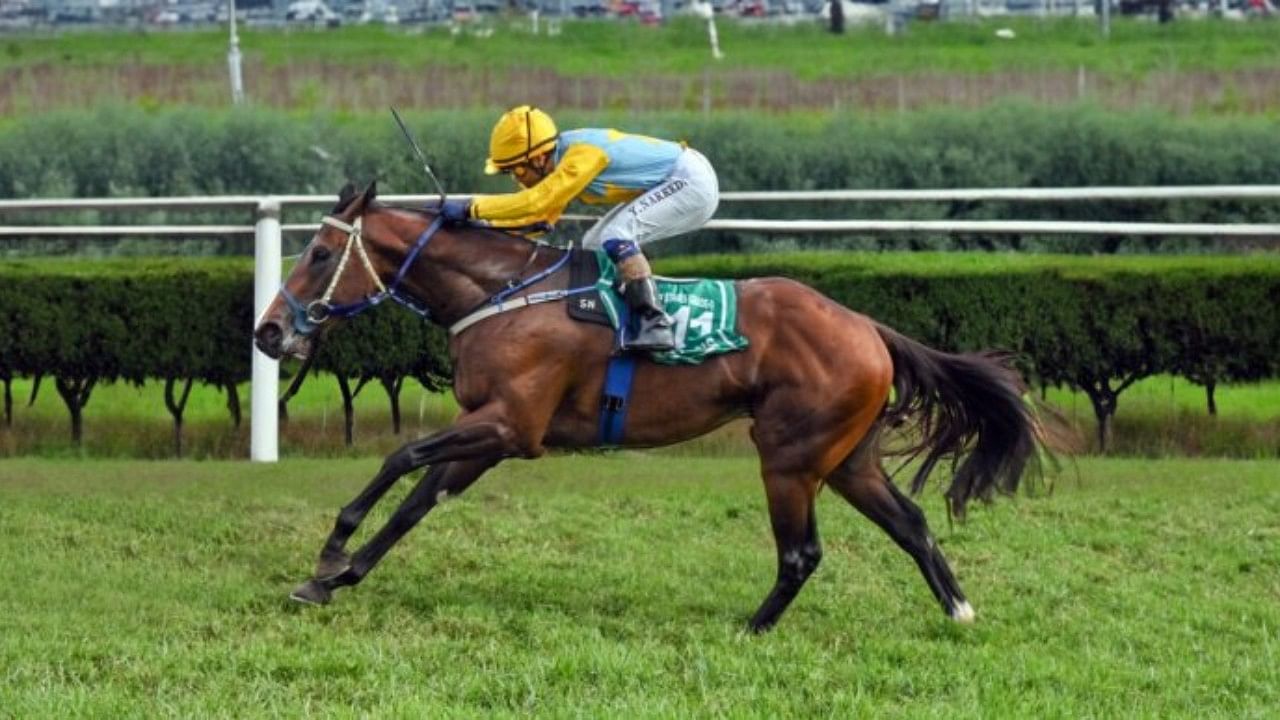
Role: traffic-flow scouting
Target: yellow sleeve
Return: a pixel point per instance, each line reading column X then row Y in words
column 545, row 201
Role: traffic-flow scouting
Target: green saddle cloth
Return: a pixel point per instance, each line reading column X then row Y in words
column 705, row 314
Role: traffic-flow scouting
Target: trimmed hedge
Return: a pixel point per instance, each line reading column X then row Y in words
column 1093, row 324
column 179, row 322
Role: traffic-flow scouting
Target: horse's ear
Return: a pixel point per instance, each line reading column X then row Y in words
column 371, row 192
column 345, row 196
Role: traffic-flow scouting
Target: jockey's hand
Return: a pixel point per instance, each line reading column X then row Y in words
column 456, row 211
column 453, row 210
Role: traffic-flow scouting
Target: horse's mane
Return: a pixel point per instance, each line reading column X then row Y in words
column 348, row 195
column 497, row 233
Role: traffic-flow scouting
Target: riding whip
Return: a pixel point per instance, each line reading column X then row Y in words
column 418, row 151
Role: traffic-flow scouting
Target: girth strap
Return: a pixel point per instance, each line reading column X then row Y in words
column 615, row 398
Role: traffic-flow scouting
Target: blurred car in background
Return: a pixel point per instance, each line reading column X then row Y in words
column 312, row 11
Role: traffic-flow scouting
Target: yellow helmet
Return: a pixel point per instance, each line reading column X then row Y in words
column 521, row 133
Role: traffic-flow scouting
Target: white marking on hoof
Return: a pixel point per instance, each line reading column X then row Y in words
column 442, row 496
column 963, row 613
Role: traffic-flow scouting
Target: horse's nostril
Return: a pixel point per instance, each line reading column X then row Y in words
column 268, row 338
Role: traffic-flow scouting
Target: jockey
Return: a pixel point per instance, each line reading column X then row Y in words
column 659, row 189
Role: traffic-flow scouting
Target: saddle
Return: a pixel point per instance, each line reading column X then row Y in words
column 584, row 271
column 705, row 312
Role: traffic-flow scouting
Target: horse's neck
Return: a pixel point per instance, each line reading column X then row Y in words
column 463, row 267
column 488, row 259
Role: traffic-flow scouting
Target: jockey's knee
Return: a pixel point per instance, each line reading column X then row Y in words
column 619, row 249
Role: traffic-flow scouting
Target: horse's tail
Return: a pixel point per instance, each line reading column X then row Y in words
column 969, row 407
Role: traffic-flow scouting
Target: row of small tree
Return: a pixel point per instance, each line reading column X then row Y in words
column 1091, row 324
column 180, row 323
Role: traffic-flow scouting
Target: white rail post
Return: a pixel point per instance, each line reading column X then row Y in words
column 264, row 420
column 233, row 57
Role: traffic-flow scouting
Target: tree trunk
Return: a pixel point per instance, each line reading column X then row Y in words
column 177, row 406
column 233, row 403
column 1105, row 398
column 348, row 409
column 8, row 401
column 75, row 394
column 1104, row 409
column 1209, row 388
column 837, row 16
column 282, row 407
column 393, row 386
column 35, row 390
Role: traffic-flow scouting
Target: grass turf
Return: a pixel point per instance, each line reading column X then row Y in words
column 1157, row 416
column 618, row 586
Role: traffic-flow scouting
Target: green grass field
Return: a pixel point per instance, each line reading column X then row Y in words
column 1157, row 416
column 618, row 587
column 1189, row 67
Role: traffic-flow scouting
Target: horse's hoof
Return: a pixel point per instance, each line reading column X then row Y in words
column 963, row 613
column 311, row 593
column 331, row 565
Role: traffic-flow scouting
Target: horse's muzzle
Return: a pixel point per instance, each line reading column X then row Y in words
column 269, row 337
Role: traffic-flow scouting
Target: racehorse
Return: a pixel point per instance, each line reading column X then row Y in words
column 815, row 379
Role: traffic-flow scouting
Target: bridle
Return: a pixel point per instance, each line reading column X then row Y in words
column 308, row 318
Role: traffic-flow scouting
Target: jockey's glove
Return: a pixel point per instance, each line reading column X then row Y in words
column 456, row 211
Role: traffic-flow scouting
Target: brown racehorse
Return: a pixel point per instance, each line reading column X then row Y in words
column 816, row 381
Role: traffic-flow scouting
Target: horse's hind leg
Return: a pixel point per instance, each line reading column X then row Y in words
column 861, row 480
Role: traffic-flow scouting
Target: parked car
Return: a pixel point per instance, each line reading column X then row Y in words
column 650, row 12
column 588, row 8
column 312, row 11
column 464, row 11
column 858, row 13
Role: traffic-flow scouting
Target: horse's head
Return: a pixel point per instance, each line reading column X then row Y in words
column 337, row 274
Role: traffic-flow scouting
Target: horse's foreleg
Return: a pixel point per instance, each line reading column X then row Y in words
column 333, row 556
column 440, row 482
column 474, row 440
column 459, row 455
column 862, row 481
column 795, row 530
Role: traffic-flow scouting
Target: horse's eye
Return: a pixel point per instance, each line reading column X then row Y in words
column 320, row 254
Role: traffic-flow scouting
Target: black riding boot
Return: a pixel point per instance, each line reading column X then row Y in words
column 653, row 326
